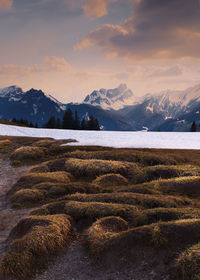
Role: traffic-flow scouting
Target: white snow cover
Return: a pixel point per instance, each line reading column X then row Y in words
column 165, row 140
column 115, row 99
column 158, row 102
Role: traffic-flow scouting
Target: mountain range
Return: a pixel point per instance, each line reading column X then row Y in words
column 116, row 109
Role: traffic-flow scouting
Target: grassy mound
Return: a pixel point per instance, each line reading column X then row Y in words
column 188, row 264
column 111, row 180
column 94, row 168
column 151, row 216
column 145, row 201
column 28, row 154
column 44, row 143
column 30, row 179
column 34, row 241
column 5, row 145
column 183, row 185
column 143, row 157
column 61, row 189
column 151, row 173
column 139, row 188
column 40, row 168
column 111, row 224
column 28, row 197
column 46, row 191
column 50, row 166
column 102, row 229
column 169, row 235
column 89, row 210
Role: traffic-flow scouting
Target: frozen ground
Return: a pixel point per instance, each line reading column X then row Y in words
column 164, row 140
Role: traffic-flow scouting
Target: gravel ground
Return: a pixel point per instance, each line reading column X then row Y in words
column 76, row 264
column 8, row 216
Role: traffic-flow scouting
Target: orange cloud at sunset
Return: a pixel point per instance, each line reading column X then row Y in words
column 49, row 64
column 71, row 47
column 101, row 36
column 55, row 64
column 6, row 3
column 96, row 8
column 156, row 30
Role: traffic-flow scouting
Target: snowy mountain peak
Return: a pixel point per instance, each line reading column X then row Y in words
column 171, row 103
column 10, row 91
column 115, row 99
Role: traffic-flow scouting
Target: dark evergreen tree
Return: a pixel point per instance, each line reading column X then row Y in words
column 97, row 126
column 26, row 123
column 23, row 122
column 68, row 120
column 58, row 123
column 193, row 127
column 51, row 123
column 93, row 124
column 76, row 121
column 83, row 124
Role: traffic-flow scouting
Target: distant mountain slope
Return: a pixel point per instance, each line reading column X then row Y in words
column 166, row 111
column 111, row 98
column 37, row 107
column 33, row 105
column 109, row 120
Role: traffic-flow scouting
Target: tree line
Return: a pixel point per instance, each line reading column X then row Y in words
column 70, row 121
column 194, row 127
column 24, row 122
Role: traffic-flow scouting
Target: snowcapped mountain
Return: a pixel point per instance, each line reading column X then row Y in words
column 33, row 105
column 15, row 93
column 172, row 103
column 116, row 109
column 37, row 107
column 109, row 99
column 167, row 110
column 12, row 93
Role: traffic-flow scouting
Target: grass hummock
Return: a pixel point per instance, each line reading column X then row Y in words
column 33, row 242
column 132, row 205
column 94, row 168
column 111, row 180
column 142, row 200
column 188, row 264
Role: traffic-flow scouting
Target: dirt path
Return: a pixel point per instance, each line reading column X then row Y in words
column 76, row 264
column 8, row 216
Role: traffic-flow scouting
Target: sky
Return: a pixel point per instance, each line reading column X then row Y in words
column 68, row 48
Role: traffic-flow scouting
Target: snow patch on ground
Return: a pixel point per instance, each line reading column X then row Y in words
column 117, row 139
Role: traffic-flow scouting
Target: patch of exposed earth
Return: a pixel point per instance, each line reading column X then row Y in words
column 8, row 217
column 76, row 264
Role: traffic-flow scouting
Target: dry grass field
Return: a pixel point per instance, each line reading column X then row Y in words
column 137, row 205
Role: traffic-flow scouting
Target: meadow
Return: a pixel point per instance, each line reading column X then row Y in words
column 123, row 206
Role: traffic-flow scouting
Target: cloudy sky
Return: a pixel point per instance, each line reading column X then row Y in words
column 70, row 47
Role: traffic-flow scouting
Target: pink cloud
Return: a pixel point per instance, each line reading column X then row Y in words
column 149, row 34
column 96, row 8
column 17, row 70
column 6, row 3
column 55, row 64
column 49, row 64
